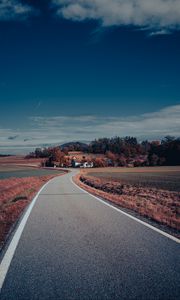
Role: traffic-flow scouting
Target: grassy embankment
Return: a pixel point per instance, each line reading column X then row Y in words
column 153, row 193
column 17, row 193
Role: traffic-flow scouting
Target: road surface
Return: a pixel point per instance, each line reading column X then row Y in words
column 76, row 247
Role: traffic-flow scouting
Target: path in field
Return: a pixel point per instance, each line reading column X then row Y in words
column 75, row 247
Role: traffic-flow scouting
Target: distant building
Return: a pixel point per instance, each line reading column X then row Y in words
column 78, row 164
column 87, row 165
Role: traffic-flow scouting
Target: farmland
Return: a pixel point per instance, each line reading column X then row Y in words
column 19, row 167
column 19, row 160
column 167, row 178
column 26, row 172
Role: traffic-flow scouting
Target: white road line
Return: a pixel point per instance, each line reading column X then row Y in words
column 130, row 216
column 6, row 261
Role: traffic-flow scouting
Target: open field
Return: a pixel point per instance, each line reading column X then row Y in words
column 150, row 192
column 19, row 172
column 167, row 178
column 18, row 167
column 20, row 160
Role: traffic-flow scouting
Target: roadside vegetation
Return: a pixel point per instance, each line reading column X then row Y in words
column 15, row 195
column 135, row 190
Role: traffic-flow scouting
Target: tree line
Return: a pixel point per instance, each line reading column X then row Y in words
column 118, row 151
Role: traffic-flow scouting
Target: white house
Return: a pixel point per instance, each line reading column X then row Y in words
column 87, row 165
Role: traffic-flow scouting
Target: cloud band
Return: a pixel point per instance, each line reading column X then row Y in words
column 58, row 129
column 153, row 14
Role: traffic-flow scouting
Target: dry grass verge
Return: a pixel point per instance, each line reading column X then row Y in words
column 161, row 206
column 15, row 195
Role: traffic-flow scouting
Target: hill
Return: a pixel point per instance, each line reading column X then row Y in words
column 75, row 146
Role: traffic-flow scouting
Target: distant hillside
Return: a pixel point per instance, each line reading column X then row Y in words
column 75, row 146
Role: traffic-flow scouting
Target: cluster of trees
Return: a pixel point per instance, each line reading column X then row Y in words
column 165, row 153
column 51, row 155
column 127, row 146
column 118, row 152
column 124, row 151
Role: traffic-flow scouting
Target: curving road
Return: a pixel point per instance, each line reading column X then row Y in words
column 76, row 247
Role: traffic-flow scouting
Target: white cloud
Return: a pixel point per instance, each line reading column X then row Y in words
column 160, row 32
column 150, row 125
column 155, row 14
column 13, row 9
column 58, row 129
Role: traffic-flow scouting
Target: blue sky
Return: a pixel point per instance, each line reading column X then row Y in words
column 78, row 70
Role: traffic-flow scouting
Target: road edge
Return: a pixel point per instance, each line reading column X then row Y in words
column 171, row 237
column 9, row 253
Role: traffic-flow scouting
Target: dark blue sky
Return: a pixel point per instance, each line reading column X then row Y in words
column 52, row 67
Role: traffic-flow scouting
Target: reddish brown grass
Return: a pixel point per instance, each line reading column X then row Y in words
column 161, row 206
column 165, row 169
column 15, row 195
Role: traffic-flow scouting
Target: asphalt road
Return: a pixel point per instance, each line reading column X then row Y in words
column 75, row 247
